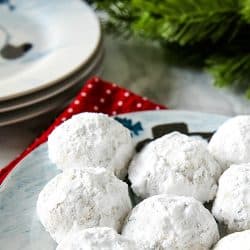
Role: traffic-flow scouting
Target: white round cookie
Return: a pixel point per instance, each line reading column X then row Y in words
column 82, row 199
column 239, row 240
column 171, row 223
column 232, row 202
column 91, row 140
column 231, row 143
column 175, row 164
column 96, row 238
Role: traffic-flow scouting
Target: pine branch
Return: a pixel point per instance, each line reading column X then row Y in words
column 189, row 21
column 181, row 21
column 231, row 71
column 245, row 11
column 191, row 31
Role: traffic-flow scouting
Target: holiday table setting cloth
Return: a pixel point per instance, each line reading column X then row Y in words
column 96, row 95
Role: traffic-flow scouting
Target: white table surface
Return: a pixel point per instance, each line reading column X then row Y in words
column 143, row 69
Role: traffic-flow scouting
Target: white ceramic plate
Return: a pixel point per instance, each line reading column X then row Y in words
column 53, row 103
column 55, row 37
column 20, row 228
column 54, row 90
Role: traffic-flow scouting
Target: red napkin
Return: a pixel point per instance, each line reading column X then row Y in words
column 96, row 95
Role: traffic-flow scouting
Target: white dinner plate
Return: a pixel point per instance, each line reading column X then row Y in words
column 20, row 228
column 42, row 42
column 54, row 90
column 58, row 102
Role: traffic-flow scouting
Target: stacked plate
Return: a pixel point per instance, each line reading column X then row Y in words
column 47, row 50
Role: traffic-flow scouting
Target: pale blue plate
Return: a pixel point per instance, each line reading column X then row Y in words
column 19, row 227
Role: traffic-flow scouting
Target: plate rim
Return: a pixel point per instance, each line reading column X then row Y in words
column 32, row 115
column 59, row 87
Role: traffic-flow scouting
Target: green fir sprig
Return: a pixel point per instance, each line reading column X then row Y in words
column 212, row 33
column 233, row 71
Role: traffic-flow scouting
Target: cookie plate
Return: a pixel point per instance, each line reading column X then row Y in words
column 20, row 228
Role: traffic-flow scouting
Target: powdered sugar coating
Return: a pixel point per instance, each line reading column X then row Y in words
column 91, row 140
column 231, row 143
column 239, row 240
column 166, row 222
column 232, row 203
column 82, row 199
column 175, row 164
column 96, row 238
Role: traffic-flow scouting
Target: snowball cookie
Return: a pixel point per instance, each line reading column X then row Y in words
column 231, row 143
column 164, row 222
column 91, row 140
column 82, row 199
column 96, row 238
column 240, row 241
column 232, row 203
column 175, row 164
